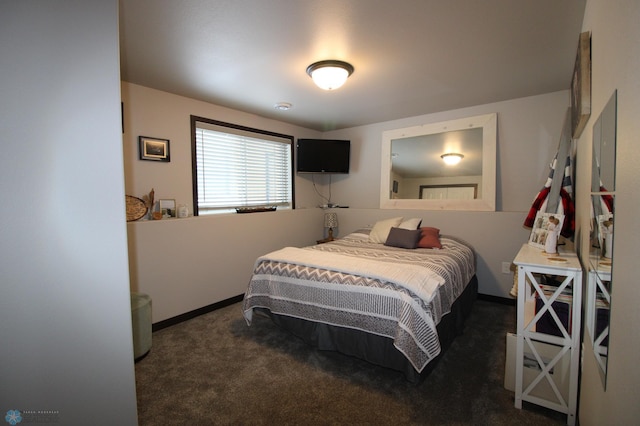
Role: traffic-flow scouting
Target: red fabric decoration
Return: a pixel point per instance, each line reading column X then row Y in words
column 569, row 225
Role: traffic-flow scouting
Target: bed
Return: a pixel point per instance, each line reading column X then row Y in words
column 396, row 298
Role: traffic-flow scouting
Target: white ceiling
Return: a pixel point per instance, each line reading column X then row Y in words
column 411, row 57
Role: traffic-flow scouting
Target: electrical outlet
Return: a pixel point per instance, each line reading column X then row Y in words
column 506, row 267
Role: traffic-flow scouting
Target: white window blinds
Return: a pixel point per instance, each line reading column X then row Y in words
column 237, row 167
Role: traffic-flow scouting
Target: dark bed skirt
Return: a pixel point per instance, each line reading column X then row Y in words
column 376, row 349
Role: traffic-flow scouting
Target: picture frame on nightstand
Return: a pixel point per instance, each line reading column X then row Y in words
column 540, row 229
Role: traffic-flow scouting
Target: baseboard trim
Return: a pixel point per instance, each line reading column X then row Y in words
column 195, row 313
column 497, row 299
column 218, row 305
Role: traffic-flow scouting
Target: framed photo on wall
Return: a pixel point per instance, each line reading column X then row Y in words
column 581, row 86
column 154, row 149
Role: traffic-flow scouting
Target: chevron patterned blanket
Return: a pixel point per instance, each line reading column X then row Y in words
column 393, row 292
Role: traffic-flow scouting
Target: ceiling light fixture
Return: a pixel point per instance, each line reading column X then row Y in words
column 330, row 74
column 451, row 158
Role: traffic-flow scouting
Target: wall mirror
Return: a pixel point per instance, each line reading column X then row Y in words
column 415, row 176
column 601, row 258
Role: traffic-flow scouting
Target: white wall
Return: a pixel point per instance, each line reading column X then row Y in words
column 528, row 128
column 528, row 136
column 185, row 264
column 153, row 113
column 616, row 65
column 65, row 319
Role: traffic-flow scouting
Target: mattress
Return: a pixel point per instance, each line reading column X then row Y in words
column 403, row 298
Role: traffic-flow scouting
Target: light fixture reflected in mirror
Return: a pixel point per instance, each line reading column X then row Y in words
column 451, row 158
column 330, row 74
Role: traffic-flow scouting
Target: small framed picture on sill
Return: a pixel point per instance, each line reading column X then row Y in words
column 168, row 208
column 154, row 149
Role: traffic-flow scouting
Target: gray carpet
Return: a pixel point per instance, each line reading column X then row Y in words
column 215, row 370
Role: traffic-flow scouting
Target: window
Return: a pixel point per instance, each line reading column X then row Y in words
column 236, row 166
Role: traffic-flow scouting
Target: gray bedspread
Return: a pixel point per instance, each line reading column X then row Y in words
column 375, row 303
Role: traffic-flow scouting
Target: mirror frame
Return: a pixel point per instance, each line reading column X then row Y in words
column 604, row 133
column 487, row 202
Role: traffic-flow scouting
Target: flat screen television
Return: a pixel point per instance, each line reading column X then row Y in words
column 323, row 155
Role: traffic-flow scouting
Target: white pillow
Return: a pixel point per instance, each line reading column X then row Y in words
column 380, row 230
column 411, row 224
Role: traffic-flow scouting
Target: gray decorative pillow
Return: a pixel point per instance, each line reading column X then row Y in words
column 403, row 238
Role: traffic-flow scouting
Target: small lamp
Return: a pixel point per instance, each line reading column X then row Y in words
column 330, row 221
